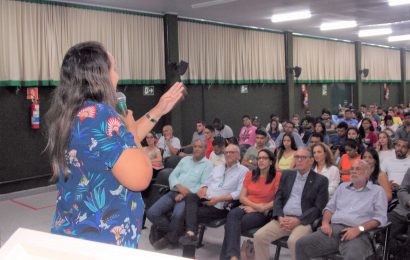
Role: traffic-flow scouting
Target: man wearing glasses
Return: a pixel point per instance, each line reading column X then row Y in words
column 223, row 184
column 300, row 199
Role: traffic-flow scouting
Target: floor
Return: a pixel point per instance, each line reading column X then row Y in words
column 34, row 209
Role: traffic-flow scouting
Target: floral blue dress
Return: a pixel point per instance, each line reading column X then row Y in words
column 91, row 203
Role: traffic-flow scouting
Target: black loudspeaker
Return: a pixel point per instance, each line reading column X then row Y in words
column 298, row 71
column 179, row 68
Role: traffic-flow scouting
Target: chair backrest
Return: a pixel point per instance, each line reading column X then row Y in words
column 158, row 188
column 172, row 161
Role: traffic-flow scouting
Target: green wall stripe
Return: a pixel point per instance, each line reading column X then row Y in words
column 90, row 7
column 232, row 82
column 42, row 83
column 381, row 81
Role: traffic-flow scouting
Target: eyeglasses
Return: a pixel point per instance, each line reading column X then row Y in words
column 301, row 157
column 230, row 152
column 263, row 158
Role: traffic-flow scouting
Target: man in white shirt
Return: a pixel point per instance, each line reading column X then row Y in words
column 217, row 155
column 396, row 167
column 224, row 183
column 168, row 142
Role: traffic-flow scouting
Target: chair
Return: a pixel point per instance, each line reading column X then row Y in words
column 215, row 223
column 380, row 249
column 172, row 161
column 281, row 242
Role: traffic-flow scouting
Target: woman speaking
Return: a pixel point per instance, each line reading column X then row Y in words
column 95, row 158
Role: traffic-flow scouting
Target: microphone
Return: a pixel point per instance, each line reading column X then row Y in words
column 121, row 104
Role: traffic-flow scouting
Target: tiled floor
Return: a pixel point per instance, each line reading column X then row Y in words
column 34, row 209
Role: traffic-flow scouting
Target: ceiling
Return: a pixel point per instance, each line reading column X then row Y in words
column 369, row 14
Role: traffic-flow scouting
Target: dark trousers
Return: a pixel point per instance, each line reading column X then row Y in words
column 237, row 221
column 399, row 225
column 196, row 212
column 158, row 212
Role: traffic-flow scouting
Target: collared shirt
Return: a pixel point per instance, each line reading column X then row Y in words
column 353, row 207
column 162, row 145
column 190, row 174
column 222, row 181
column 353, row 122
column 293, row 206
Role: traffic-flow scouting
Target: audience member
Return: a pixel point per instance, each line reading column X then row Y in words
column 355, row 208
column 273, row 131
column 324, row 164
column 337, row 141
column 223, row 184
column 372, row 158
column 287, row 150
column 367, row 133
column 256, row 197
column 293, row 213
column 395, row 167
column 276, row 118
column 315, row 138
column 168, row 143
column 349, row 118
column 249, row 159
column 326, row 119
column 217, row 155
column 348, row 158
column 154, row 154
column 247, row 135
column 384, row 146
column 186, row 178
column 222, row 130
column 320, row 129
column 404, row 131
column 289, row 128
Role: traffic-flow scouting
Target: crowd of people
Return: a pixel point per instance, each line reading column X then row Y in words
column 345, row 168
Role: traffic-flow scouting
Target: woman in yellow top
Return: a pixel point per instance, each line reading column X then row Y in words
column 287, row 150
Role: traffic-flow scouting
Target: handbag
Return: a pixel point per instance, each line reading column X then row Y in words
column 247, row 250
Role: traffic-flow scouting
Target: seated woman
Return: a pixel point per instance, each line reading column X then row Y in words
column 287, row 150
column 154, row 154
column 320, row 128
column 348, row 158
column 377, row 177
column 257, row 196
column 325, row 164
column 384, row 146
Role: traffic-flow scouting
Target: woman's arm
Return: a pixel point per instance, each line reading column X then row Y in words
column 243, row 198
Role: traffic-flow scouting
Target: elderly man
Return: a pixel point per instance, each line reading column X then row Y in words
column 186, row 178
column 223, row 184
column 301, row 197
column 356, row 207
column 168, row 142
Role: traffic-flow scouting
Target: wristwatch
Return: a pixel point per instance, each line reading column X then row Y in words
column 361, row 228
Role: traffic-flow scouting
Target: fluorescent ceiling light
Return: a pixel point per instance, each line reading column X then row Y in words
column 283, row 17
column 337, row 25
column 211, row 3
column 398, row 2
column 398, row 38
column 374, row 32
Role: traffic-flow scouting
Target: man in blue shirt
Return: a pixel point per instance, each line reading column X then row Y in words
column 356, row 207
column 186, row 178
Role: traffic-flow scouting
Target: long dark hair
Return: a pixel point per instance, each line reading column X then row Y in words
column 256, row 173
column 84, row 75
column 375, row 174
column 282, row 147
column 361, row 129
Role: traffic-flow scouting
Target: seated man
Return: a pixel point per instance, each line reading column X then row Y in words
column 399, row 217
column 249, row 159
column 168, row 142
column 289, row 128
column 223, row 184
column 247, row 134
column 198, row 134
column 396, row 167
column 301, row 196
column 356, row 207
column 217, row 155
column 222, row 130
column 186, row 178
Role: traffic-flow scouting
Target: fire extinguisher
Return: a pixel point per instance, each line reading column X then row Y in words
column 35, row 115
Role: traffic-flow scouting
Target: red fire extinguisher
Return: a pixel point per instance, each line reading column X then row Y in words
column 35, row 115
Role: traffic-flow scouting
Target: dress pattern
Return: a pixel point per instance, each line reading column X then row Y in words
column 91, row 203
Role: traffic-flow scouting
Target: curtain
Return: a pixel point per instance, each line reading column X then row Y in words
column 383, row 63
column 323, row 60
column 229, row 55
column 35, row 37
